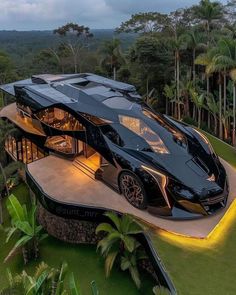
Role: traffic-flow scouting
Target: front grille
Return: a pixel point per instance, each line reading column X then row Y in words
column 213, row 200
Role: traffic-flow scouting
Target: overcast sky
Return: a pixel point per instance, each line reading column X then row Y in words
column 100, row 14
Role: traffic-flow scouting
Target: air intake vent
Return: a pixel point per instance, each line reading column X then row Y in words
column 38, row 80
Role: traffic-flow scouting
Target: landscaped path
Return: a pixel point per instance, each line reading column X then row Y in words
column 62, row 181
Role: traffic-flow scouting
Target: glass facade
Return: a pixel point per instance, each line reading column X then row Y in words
column 64, row 144
column 60, row 119
column 23, row 150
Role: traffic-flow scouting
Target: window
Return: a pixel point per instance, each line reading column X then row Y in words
column 95, row 120
column 11, row 146
column 23, row 150
column 178, row 137
column 60, row 119
column 112, row 135
column 63, row 144
column 140, row 128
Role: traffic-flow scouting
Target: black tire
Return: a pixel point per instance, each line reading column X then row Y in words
column 133, row 190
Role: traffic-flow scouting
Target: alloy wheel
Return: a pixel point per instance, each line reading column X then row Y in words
column 132, row 190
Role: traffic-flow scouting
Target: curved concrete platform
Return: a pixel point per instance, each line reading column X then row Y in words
column 64, row 183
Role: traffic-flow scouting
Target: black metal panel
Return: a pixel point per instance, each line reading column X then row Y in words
column 191, row 171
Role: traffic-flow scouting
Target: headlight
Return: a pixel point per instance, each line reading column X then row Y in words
column 161, row 180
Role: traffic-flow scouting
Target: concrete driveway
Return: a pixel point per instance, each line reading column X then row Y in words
column 65, row 183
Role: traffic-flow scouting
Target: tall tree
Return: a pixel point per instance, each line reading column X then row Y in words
column 198, row 100
column 112, row 56
column 225, row 60
column 144, row 23
column 177, row 45
column 74, row 38
column 208, row 13
column 195, row 41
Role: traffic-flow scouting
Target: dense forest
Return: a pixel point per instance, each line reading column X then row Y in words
column 183, row 63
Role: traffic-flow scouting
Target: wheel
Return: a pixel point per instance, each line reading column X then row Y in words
column 133, row 190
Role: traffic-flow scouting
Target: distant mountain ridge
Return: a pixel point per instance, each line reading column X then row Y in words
column 22, row 42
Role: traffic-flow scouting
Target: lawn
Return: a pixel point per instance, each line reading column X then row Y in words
column 82, row 259
column 203, row 266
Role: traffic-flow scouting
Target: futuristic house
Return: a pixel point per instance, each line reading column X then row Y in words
column 107, row 132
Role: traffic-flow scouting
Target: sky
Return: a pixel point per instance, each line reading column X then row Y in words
column 96, row 14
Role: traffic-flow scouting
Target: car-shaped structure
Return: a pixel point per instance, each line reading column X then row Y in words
column 156, row 162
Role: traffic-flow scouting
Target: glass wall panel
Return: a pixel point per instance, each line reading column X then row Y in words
column 23, row 150
column 63, row 144
column 11, row 146
column 60, row 119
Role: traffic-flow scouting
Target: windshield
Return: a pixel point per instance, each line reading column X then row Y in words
column 140, row 128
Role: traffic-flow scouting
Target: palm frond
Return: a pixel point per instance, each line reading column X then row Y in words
column 110, row 259
column 114, row 218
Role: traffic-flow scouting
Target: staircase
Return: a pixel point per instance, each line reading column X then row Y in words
column 87, row 167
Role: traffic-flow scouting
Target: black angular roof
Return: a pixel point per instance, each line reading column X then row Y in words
column 86, row 93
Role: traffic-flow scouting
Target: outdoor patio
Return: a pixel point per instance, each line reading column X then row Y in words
column 65, row 183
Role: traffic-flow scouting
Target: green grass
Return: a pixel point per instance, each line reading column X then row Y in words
column 208, row 271
column 225, row 151
column 83, row 260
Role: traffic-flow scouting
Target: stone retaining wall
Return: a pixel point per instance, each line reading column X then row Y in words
column 76, row 232
column 68, row 230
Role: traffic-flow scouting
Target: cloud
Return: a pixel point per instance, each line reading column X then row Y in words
column 48, row 14
column 133, row 6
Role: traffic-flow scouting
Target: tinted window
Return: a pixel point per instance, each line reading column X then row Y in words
column 139, row 127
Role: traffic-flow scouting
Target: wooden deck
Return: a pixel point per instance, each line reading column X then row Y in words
column 11, row 113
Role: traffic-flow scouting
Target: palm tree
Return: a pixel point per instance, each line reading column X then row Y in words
column 112, row 55
column 177, row 44
column 209, row 61
column 208, row 12
column 120, row 244
column 225, row 122
column 198, row 100
column 169, row 92
column 194, row 40
column 225, row 60
column 23, row 221
column 129, row 261
column 213, row 108
column 186, row 86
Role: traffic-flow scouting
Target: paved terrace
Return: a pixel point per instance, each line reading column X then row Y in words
column 65, row 183
column 25, row 124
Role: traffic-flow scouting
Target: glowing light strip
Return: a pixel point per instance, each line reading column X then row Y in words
column 216, row 236
column 163, row 184
column 202, row 136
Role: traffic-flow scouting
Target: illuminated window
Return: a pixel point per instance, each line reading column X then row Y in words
column 63, row 144
column 23, row 150
column 143, row 130
column 60, row 119
column 178, row 137
column 11, row 146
